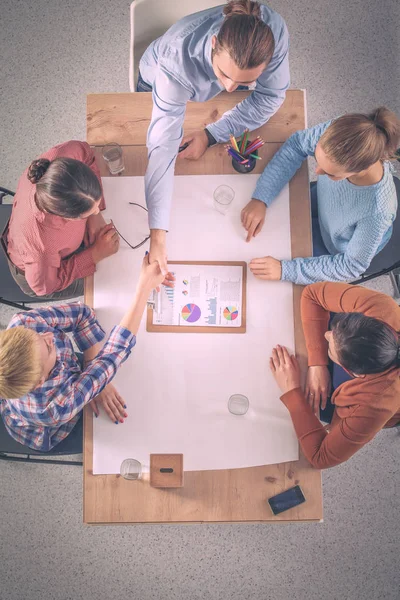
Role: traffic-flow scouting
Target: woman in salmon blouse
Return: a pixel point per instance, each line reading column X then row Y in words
column 56, row 234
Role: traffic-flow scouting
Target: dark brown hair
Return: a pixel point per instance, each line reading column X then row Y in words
column 365, row 345
column 65, row 187
column 357, row 141
column 244, row 36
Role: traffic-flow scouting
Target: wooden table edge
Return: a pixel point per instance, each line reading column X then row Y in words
column 218, row 522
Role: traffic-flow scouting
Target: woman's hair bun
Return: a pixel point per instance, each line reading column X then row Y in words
column 37, row 169
column 387, row 122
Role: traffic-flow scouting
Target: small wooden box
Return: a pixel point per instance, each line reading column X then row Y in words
column 166, row 470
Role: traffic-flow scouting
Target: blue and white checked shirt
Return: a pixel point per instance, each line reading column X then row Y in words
column 178, row 66
column 45, row 416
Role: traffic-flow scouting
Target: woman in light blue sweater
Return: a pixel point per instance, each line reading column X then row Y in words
column 355, row 202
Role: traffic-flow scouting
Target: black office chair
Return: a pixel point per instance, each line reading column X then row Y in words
column 388, row 259
column 10, row 292
column 11, row 295
column 13, row 451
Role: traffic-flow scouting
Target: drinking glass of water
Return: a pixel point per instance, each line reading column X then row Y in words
column 223, row 198
column 131, row 469
column 238, row 404
column 112, row 154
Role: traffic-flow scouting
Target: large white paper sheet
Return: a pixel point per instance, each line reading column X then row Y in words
column 177, row 386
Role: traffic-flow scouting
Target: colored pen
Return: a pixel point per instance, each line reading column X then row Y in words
column 244, row 142
column 236, row 156
column 229, row 148
column 254, row 142
column 234, row 143
column 254, row 148
column 253, row 145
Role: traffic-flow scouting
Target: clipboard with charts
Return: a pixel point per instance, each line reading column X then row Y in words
column 208, row 297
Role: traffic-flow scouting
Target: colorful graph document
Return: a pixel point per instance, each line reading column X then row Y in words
column 205, row 295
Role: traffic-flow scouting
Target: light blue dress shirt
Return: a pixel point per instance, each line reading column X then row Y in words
column 355, row 221
column 178, row 66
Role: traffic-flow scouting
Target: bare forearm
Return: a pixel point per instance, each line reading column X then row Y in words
column 132, row 318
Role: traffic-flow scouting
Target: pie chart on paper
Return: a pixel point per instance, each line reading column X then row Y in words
column 230, row 313
column 191, row 313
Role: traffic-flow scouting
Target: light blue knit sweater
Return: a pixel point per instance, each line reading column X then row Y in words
column 355, row 221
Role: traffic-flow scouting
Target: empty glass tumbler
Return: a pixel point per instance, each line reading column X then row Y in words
column 131, row 469
column 112, row 154
column 238, row 404
column 223, row 198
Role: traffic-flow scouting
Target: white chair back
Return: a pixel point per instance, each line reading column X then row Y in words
column 152, row 18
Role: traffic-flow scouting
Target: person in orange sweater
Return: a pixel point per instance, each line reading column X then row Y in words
column 56, row 234
column 363, row 340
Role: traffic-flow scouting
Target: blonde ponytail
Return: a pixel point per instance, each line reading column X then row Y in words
column 387, row 123
column 357, row 141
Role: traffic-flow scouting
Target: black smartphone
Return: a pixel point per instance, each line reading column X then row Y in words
column 287, row 499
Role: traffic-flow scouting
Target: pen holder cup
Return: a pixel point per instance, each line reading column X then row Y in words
column 247, row 167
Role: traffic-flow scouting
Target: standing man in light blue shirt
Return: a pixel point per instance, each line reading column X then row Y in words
column 240, row 44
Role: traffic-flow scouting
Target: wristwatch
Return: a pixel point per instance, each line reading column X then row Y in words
column 211, row 139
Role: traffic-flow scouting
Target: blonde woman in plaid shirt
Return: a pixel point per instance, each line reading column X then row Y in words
column 43, row 387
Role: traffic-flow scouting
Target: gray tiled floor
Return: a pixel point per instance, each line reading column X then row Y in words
column 347, row 54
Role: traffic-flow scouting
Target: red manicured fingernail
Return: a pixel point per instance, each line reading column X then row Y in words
column 121, row 421
column 125, row 415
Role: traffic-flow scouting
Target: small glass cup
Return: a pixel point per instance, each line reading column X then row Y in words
column 112, row 154
column 238, row 404
column 223, row 198
column 131, row 469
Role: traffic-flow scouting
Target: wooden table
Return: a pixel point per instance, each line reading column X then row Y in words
column 208, row 496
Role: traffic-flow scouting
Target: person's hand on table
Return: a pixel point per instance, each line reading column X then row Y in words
column 285, row 369
column 253, row 217
column 267, row 268
column 112, row 403
column 318, row 387
column 198, row 144
column 106, row 244
column 94, row 224
column 158, row 254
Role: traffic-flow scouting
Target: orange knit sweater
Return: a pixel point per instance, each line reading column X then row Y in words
column 364, row 405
